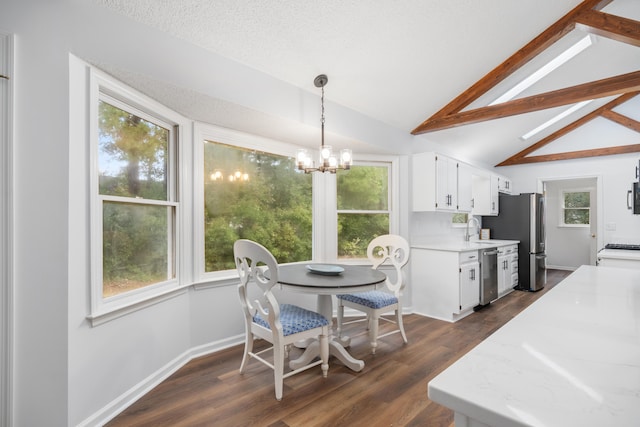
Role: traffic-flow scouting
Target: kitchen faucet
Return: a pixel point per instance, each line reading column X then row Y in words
column 467, row 236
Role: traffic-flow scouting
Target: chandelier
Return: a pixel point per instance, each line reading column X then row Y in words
column 327, row 160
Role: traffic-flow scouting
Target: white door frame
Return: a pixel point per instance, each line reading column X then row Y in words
column 6, row 229
column 599, row 206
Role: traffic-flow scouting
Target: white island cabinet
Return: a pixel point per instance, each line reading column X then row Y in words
column 572, row 358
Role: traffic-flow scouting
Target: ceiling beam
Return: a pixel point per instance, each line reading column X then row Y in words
column 610, row 26
column 592, row 90
column 516, row 158
column 622, row 120
column 551, row 35
column 596, row 152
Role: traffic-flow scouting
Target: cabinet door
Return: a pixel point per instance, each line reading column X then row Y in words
column 464, row 188
column 469, row 285
column 504, row 185
column 446, row 184
column 504, row 273
column 494, row 195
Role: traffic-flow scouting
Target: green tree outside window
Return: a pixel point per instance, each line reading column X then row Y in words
column 576, row 207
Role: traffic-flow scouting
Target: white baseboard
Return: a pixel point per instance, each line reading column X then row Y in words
column 125, row 400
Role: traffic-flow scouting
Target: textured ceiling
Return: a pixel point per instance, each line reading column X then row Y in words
column 395, row 61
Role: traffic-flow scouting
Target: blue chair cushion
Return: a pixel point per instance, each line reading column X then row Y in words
column 371, row 299
column 295, row 319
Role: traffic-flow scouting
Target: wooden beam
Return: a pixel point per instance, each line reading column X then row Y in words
column 552, row 34
column 613, row 27
column 622, row 120
column 597, row 89
column 513, row 160
column 596, row 152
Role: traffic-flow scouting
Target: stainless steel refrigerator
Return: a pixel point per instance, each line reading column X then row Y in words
column 521, row 217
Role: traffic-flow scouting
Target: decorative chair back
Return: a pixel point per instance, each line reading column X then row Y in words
column 395, row 249
column 256, row 264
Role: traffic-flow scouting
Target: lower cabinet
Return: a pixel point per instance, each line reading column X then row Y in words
column 507, row 269
column 444, row 284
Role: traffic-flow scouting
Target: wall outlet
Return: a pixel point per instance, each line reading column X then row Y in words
column 611, row 226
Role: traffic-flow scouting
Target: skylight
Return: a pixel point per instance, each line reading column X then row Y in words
column 556, row 118
column 545, row 70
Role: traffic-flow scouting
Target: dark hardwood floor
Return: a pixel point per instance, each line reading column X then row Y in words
column 391, row 390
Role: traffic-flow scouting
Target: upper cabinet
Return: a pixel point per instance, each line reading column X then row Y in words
column 444, row 184
column 485, row 193
column 440, row 184
column 504, row 184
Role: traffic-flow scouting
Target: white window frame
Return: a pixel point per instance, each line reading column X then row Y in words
column 391, row 162
column 105, row 87
column 563, row 208
column 206, row 132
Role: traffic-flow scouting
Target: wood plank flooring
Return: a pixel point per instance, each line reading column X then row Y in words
column 391, row 390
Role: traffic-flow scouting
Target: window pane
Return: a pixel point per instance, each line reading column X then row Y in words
column 132, row 156
column 364, row 188
column 576, row 216
column 355, row 231
column 577, row 200
column 135, row 246
column 258, row 196
column 459, row 218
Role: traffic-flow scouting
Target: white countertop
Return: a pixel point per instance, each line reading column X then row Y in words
column 572, row 358
column 619, row 254
column 461, row 245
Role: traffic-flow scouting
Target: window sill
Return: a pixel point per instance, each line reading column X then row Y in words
column 574, row 226
column 99, row 318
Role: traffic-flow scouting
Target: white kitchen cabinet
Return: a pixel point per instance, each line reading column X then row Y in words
column 504, row 185
column 465, row 194
column 485, row 194
column 445, row 284
column 507, row 269
column 437, row 181
column 469, row 284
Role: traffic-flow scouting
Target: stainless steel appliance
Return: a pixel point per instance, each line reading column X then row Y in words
column 521, row 218
column 489, row 272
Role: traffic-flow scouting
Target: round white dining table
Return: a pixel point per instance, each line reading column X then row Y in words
column 298, row 278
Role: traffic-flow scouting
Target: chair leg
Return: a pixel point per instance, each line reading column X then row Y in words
column 373, row 332
column 340, row 318
column 324, row 354
column 278, row 369
column 248, row 348
column 400, row 324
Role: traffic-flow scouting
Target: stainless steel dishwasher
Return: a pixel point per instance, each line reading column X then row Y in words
column 489, row 273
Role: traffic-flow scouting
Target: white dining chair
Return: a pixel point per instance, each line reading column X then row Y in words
column 376, row 303
column 279, row 324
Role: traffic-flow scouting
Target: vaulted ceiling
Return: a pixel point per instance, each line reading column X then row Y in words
column 402, row 62
column 587, row 17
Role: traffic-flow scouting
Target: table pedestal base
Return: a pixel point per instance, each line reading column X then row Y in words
column 335, row 349
column 336, row 345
